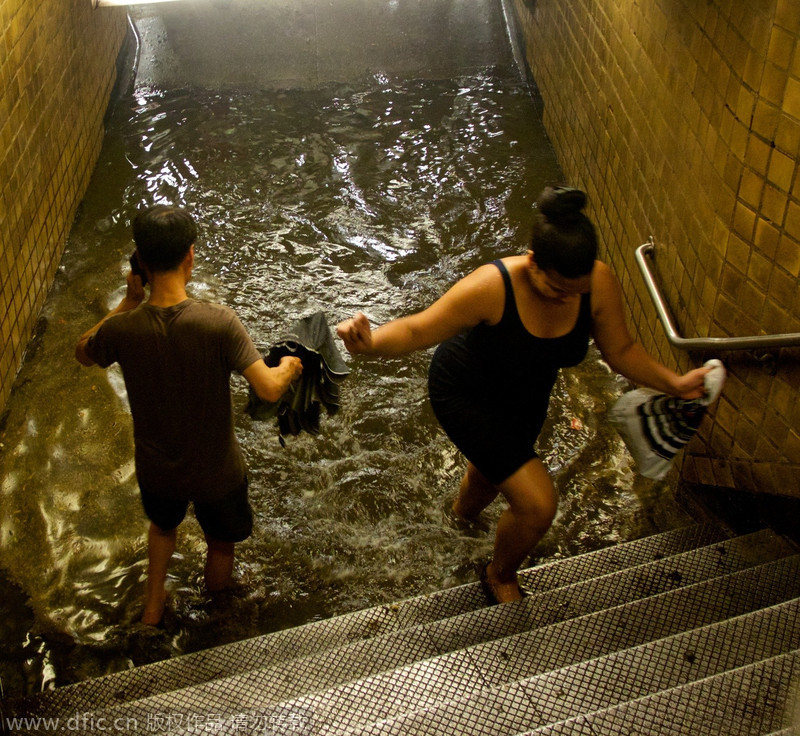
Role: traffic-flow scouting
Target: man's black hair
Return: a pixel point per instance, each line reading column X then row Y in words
column 163, row 235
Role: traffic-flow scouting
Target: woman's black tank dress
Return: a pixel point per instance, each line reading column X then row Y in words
column 490, row 387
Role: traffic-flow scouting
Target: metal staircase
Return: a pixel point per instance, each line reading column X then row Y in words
column 685, row 632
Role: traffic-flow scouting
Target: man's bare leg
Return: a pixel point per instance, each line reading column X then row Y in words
column 219, row 565
column 160, row 546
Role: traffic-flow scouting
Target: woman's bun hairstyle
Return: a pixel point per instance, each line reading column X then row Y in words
column 561, row 205
column 564, row 238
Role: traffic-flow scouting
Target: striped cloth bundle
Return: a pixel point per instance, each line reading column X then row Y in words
column 655, row 427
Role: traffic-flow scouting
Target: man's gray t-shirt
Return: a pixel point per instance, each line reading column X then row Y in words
column 177, row 363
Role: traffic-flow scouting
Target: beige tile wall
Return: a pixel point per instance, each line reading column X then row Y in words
column 681, row 119
column 57, row 69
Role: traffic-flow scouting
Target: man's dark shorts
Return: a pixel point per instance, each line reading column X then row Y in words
column 228, row 519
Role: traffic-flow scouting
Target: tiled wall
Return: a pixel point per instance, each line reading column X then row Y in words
column 681, row 118
column 57, row 69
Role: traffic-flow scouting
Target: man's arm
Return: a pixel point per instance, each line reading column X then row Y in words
column 132, row 299
column 271, row 383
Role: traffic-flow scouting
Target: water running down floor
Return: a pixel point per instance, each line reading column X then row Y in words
column 373, row 196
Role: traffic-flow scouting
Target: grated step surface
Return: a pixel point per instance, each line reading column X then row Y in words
column 388, row 621
column 605, row 681
column 608, row 591
column 354, row 702
column 748, row 701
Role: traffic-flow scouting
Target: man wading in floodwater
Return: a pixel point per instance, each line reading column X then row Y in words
column 177, row 355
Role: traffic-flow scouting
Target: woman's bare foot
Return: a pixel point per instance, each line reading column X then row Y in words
column 471, row 526
column 499, row 591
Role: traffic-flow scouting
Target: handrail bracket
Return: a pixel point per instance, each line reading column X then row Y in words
column 644, row 255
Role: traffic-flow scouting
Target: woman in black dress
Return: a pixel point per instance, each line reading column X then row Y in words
column 503, row 333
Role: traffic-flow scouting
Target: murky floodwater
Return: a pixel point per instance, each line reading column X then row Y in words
column 375, row 198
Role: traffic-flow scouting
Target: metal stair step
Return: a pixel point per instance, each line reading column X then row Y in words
column 515, row 658
column 607, row 591
column 558, row 573
column 748, row 701
column 672, row 662
column 605, row 681
column 386, row 620
column 355, row 701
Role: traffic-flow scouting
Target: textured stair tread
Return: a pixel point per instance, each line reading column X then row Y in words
column 456, row 632
column 388, row 695
column 424, row 683
column 605, row 681
column 611, row 590
column 670, row 662
column 496, row 662
column 748, row 701
column 557, row 573
column 275, row 647
column 639, row 621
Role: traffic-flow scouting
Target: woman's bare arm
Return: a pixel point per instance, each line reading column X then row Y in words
column 476, row 298
column 623, row 353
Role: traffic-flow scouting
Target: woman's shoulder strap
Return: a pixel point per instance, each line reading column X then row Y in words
column 510, row 303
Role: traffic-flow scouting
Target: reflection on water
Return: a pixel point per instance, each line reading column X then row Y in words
column 338, row 199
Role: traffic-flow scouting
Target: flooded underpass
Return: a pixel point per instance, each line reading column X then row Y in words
column 374, row 194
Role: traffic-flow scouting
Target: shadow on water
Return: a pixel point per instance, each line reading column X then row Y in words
column 343, row 198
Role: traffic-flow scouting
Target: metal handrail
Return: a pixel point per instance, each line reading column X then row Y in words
column 787, row 339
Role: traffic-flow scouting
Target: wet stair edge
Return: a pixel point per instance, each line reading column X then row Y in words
column 447, row 663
